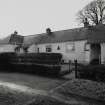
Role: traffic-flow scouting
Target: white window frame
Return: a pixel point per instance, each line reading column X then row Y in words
column 86, row 47
column 48, row 48
column 70, row 47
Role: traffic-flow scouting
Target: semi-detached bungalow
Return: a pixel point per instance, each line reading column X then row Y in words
column 84, row 44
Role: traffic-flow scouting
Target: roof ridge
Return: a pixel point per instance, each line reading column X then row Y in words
column 55, row 31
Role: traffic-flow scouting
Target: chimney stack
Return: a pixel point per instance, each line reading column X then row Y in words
column 15, row 32
column 48, row 31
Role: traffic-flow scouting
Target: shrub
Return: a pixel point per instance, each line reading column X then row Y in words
column 45, row 61
column 93, row 72
column 94, row 62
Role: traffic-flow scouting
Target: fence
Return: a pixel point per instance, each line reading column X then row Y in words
column 68, row 67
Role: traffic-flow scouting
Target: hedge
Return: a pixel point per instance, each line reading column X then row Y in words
column 45, row 60
column 93, row 72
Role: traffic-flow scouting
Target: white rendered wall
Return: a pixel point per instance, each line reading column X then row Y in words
column 79, row 53
column 7, row 48
column 103, row 53
column 32, row 49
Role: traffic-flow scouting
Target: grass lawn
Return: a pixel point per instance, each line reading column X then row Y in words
column 84, row 88
column 33, row 81
column 11, row 97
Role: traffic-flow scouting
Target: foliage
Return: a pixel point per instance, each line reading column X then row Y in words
column 33, row 62
column 94, row 12
column 92, row 72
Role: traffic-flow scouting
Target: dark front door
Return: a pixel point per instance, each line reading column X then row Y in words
column 95, row 53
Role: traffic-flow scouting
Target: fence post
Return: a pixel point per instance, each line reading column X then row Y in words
column 69, row 65
column 100, row 59
column 75, row 63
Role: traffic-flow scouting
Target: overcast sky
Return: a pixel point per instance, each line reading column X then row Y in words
column 30, row 17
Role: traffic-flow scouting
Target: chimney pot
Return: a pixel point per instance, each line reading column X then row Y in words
column 15, row 32
column 48, row 31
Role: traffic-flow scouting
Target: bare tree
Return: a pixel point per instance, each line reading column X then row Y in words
column 94, row 12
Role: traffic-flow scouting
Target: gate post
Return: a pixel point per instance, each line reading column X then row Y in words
column 69, row 65
column 75, row 63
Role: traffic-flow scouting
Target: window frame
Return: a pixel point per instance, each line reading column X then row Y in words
column 72, row 44
column 86, row 47
column 48, row 48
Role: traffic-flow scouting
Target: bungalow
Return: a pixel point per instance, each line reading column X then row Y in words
column 84, row 44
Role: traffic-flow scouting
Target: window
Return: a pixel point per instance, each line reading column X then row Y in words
column 70, row 46
column 48, row 48
column 86, row 47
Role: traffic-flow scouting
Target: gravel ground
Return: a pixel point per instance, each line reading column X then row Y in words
column 87, row 88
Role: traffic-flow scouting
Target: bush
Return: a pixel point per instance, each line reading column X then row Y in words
column 93, row 72
column 41, row 58
column 18, row 61
column 94, row 62
column 47, row 58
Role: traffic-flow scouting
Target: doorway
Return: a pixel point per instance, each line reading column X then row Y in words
column 95, row 54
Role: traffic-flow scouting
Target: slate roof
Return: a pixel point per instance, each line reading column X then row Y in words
column 62, row 36
column 16, row 39
column 96, row 34
column 12, row 39
column 54, row 37
column 93, row 34
column 5, row 40
column 30, row 39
